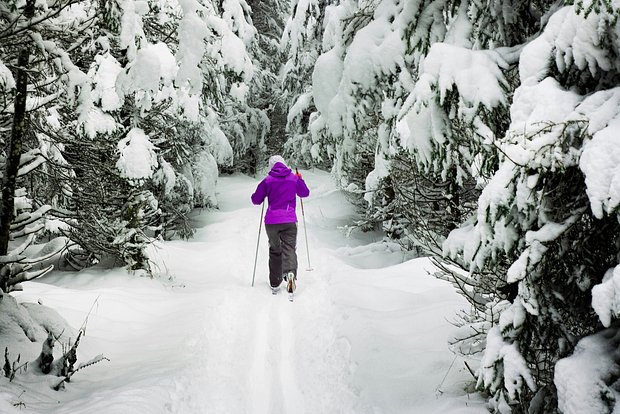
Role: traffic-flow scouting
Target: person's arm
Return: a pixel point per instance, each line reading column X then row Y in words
column 302, row 189
column 260, row 193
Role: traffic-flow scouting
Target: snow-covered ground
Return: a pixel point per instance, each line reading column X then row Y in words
column 367, row 332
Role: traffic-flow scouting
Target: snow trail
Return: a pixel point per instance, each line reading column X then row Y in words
column 367, row 332
column 293, row 399
column 261, row 389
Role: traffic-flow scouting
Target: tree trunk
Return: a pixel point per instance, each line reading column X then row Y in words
column 14, row 153
column 14, row 150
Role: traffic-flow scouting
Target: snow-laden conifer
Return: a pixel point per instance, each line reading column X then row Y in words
column 542, row 227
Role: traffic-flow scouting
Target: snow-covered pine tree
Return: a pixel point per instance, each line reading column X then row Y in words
column 105, row 211
column 342, row 115
column 25, row 208
column 302, row 44
column 423, row 184
column 57, row 87
column 459, row 106
column 243, row 117
column 372, row 52
column 265, row 90
column 549, row 217
column 184, row 107
column 131, row 121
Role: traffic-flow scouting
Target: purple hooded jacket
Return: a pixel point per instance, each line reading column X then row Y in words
column 281, row 187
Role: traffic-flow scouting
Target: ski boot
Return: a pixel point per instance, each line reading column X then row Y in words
column 290, row 285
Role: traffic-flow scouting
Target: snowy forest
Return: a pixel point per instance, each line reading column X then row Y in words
column 476, row 133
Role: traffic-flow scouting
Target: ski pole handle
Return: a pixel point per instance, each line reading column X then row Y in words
column 300, row 200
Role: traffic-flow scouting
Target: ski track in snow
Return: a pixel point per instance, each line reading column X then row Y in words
column 293, row 401
column 275, row 387
column 260, row 395
column 264, row 375
column 264, row 347
column 246, row 357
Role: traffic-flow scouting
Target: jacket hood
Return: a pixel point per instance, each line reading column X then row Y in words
column 279, row 170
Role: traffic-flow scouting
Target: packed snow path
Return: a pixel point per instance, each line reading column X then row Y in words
column 367, row 332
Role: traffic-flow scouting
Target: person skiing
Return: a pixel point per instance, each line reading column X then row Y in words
column 281, row 188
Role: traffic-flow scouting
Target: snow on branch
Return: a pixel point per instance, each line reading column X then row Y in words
column 192, row 33
column 150, row 75
column 512, row 370
column 606, row 297
column 7, row 82
column 67, row 378
column 25, row 275
column 25, row 219
column 18, row 26
column 569, row 39
column 600, row 160
column 53, row 248
column 30, row 161
column 535, row 250
column 137, row 158
column 585, row 380
column 536, row 136
column 237, row 14
column 465, row 80
column 476, row 74
column 302, row 103
column 132, row 28
column 104, row 72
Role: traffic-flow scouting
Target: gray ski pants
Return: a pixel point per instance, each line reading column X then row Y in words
column 282, row 255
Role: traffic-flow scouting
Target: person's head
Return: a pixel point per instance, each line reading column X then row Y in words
column 274, row 159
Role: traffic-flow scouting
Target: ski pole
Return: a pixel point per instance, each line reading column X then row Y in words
column 303, row 215
column 260, row 226
column 309, row 269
